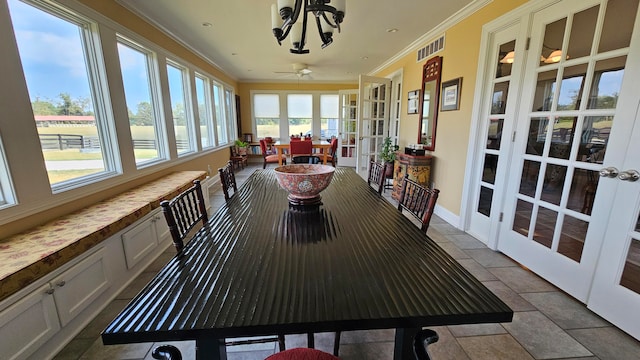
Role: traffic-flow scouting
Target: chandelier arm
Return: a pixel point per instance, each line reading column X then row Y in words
column 300, row 48
column 326, row 40
column 335, row 24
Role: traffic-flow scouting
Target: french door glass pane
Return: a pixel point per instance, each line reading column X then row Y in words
column 606, row 83
column 562, row 138
column 529, row 179
column 571, row 242
column 594, row 138
column 484, row 204
column 554, row 178
column 582, row 32
column 583, row 189
column 618, row 24
column 537, row 136
column 499, row 99
column 545, row 90
column 553, row 35
column 631, row 273
column 571, row 87
column 506, row 57
column 522, row 218
column 545, row 225
column 494, row 135
column 489, row 172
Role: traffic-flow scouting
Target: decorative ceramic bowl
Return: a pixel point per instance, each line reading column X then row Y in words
column 304, row 182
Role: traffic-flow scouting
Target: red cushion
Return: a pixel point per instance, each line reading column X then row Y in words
column 274, row 158
column 302, row 354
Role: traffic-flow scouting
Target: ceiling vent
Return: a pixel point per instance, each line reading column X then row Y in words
column 430, row 49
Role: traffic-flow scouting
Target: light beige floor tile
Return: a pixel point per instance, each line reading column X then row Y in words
column 564, row 310
column 608, row 343
column 521, row 280
column 466, row 241
column 494, row 347
column 513, row 300
column 489, row 258
column 542, row 338
column 476, row 330
column 98, row 351
column 446, row 348
column 100, row 322
column 477, row 270
column 453, row 250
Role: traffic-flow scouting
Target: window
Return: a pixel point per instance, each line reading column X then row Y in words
column 6, row 194
column 300, row 110
column 218, row 103
column 65, row 81
column 229, row 122
column 140, row 84
column 203, row 95
column 328, row 116
column 180, row 108
column 266, row 111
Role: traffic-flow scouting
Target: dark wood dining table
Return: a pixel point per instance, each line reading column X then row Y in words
column 262, row 266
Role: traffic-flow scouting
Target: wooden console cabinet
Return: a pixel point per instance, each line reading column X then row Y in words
column 418, row 168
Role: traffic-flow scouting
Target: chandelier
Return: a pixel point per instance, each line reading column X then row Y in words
column 284, row 20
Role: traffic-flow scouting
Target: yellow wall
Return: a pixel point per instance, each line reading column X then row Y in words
column 460, row 59
column 244, row 91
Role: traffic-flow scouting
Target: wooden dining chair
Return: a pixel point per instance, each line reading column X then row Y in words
column 268, row 157
column 333, row 152
column 302, row 147
column 228, row 180
column 376, row 175
column 418, row 200
column 183, row 213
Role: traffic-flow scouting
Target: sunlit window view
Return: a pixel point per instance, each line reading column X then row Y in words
column 218, row 103
column 203, row 95
column 300, row 108
column 266, row 109
column 182, row 123
column 146, row 131
column 54, row 52
column 328, row 116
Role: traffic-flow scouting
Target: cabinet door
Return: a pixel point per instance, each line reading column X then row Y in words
column 27, row 324
column 78, row 287
column 140, row 241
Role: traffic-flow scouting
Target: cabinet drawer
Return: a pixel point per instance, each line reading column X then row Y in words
column 78, row 287
column 27, row 324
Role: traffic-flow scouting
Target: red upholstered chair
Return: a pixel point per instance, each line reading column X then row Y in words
column 303, row 147
column 333, row 152
column 302, row 354
column 270, row 158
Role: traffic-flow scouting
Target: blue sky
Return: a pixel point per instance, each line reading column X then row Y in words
column 53, row 59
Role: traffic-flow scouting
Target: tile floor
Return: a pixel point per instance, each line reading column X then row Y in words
column 547, row 324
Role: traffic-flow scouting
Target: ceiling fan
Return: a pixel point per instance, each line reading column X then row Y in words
column 301, row 70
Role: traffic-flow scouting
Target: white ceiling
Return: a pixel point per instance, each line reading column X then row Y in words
column 241, row 43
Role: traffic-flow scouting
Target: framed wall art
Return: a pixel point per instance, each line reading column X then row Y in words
column 412, row 102
column 451, row 94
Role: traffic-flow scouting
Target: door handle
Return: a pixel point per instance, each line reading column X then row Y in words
column 629, row 175
column 609, row 172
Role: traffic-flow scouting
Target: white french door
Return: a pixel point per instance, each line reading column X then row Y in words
column 348, row 151
column 574, row 105
column 373, row 118
column 615, row 294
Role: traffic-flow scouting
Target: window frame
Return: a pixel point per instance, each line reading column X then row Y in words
column 160, row 124
column 187, row 98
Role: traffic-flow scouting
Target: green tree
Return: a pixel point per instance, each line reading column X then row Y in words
column 144, row 115
column 43, row 107
column 69, row 106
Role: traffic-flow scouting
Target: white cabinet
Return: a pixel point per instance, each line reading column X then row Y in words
column 28, row 323
column 144, row 237
column 35, row 318
column 78, row 287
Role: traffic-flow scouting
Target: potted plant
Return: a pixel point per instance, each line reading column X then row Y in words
column 241, row 147
column 388, row 155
